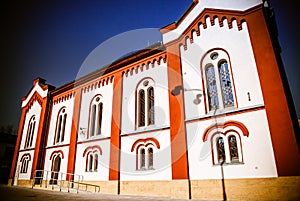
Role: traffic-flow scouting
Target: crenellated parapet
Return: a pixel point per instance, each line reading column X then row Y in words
column 145, row 64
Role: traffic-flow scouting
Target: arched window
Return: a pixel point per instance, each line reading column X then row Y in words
column 212, row 87
column 218, row 78
column 60, row 126
column 96, row 112
column 141, row 108
column 226, row 84
column 150, row 106
column 145, row 150
column 92, row 158
column 95, row 162
column 234, row 156
column 25, row 161
column 227, row 148
column 150, row 158
column 30, row 132
column 142, row 158
column 221, row 150
column 92, row 162
column 145, row 103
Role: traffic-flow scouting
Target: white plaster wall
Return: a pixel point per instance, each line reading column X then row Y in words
column 24, row 176
column 107, row 92
column 257, row 149
column 69, row 106
column 103, row 161
column 64, row 160
column 239, row 5
column 34, row 110
column 244, row 72
column 161, row 100
column 161, row 158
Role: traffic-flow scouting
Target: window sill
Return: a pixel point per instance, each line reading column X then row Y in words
column 145, row 169
column 231, row 163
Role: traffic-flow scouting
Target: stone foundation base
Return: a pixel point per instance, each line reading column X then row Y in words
column 281, row 188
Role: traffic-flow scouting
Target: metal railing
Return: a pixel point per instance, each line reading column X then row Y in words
column 62, row 180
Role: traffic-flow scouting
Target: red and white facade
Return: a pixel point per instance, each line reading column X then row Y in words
column 164, row 120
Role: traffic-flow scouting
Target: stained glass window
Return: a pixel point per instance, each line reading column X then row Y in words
column 212, row 87
column 233, row 148
column 220, row 150
column 226, row 84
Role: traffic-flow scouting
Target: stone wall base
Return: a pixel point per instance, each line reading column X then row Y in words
column 281, row 188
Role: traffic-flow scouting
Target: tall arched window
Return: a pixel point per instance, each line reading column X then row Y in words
column 30, row 132
column 145, row 103
column 151, row 106
column 96, row 112
column 141, row 108
column 212, row 87
column 226, row 84
column 60, row 126
column 218, row 78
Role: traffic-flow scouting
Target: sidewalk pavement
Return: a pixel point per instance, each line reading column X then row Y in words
column 19, row 193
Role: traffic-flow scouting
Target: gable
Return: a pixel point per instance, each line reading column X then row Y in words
column 177, row 29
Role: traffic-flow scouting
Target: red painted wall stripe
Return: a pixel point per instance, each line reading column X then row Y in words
column 73, row 137
column 177, row 125
column 279, row 118
column 115, row 144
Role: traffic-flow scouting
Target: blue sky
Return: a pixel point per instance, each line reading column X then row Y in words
column 51, row 40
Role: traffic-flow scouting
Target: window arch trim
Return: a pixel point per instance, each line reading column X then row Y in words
column 25, row 155
column 143, row 142
column 56, row 153
column 223, row 126
column 92, row 149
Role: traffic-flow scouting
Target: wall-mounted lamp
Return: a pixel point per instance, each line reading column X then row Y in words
column 197, row 100
column 82, row 130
